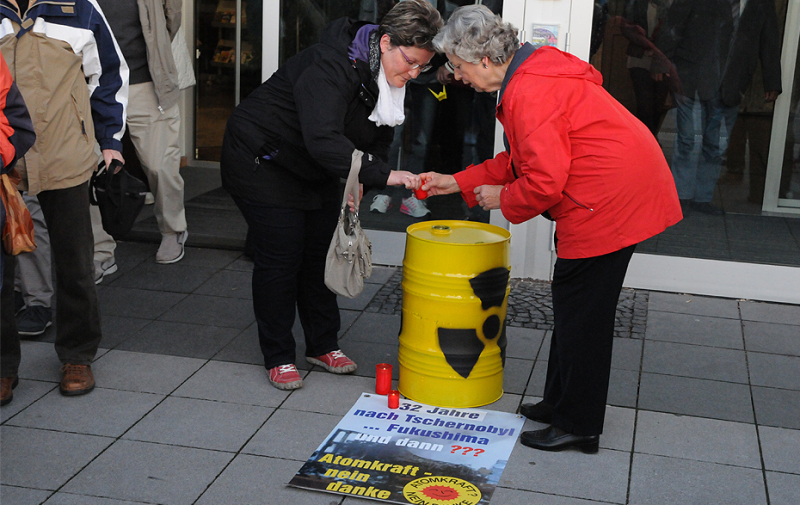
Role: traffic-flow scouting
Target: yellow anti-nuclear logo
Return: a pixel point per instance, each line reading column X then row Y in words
column 438, row 490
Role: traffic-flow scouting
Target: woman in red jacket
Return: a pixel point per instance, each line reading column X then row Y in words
column 577, row 156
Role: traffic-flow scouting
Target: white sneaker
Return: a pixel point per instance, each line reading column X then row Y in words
column 413, row 207
column 149, row 199
column 172, row 248
column 103, row 268
column 381, row 203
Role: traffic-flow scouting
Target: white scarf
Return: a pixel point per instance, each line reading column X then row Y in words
column 389, row 108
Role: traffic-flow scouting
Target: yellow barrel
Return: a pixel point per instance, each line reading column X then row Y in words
column 455, row 296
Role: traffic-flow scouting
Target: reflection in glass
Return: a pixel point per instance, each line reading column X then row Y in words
column 703, row 76
column 217, row 93
column 790, row 175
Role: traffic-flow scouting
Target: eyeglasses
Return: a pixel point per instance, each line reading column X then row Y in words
column 414, row 66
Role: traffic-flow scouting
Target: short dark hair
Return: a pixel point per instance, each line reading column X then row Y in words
column 412, row 23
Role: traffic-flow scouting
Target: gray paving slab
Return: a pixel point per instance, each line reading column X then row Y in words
column 117, row 329
column 516, row 374
column 623, row 388
column 601, row 477
column 234, row 383
column 699, row 439
column 266, row 480
column 657, row 480
column 507, row 403
column 211, row 311
column 180, row 339
column 771, row 312
column 506, row 496
column 105, row 412
column 380, row 274
column 39, row 362
column 780, row 448
column 244, row 348
column 366, row 355
column 241, row 263
column 45, row 459
column 693, row 304
column 772, row 338
column 523, row 343
column 771, row 370
column 22, row 495
column 211, row 258
column 695, row 361
column 177, row 278
column 783, row 488
column 777, row 407
column 291, row 434
column 626, row 354
column 138, row 303
column 696, row 397
column 80, row 499
column 694, row 329
column 150, row 473
column 374, row 328
column 228, row 283
column 618, row 429
column 26, row 392
column 202, row 424
column 329, row 393
column 144, row 372
column 361, row 301
column 538, row 378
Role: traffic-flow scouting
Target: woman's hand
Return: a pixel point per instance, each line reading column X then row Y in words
column 350, row 202
column 404, row 178
column 488, row 197
column 439, row 184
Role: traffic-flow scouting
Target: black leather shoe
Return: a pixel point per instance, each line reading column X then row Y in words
column 541, row 412
column 554, row 439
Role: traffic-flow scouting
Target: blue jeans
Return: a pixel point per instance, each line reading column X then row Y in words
column 696, row 181
column 289, row 249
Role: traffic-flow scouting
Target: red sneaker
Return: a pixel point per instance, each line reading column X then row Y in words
column 334, row 362
column 285, row 377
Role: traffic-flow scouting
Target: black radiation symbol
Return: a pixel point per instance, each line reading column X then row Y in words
column 461, row 346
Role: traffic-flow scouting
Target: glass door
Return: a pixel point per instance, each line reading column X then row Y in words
column 228, row 64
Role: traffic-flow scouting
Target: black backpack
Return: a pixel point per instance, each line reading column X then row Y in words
column 120, row 197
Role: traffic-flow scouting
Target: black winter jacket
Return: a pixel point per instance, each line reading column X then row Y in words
column 289, row 142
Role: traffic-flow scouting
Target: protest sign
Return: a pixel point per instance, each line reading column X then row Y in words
column 413, row 454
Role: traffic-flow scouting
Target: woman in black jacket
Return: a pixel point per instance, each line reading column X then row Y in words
column 287, row 145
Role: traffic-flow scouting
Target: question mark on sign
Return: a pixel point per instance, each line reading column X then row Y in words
column 466, row 450
column 476, row 452
column 455, row 448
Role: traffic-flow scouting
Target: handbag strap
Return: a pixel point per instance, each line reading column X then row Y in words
column 351, row 187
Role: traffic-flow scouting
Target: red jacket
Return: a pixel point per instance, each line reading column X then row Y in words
column 578, row 154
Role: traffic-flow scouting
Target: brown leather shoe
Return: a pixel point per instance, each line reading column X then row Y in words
column 76, row 380
column 7, row 384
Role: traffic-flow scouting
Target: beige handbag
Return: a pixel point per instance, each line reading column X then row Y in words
column 349, row 259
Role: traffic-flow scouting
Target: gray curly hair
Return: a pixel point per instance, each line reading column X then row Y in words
column 474, row 31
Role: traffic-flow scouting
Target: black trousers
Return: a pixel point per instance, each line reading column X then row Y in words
column 66, row 212
column 585, row 296
column 289, row 248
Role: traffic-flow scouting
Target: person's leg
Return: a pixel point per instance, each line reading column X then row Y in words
column 34, row 271
column 716, row 114
column 585, row 296
column 155, row 135
column 643, row 90
column 737, row 146
column 759, row 130
column 277, row 237
column 104, row 247
column 684, row 170
column 9, row 338
column 316, row 304
column 78, row 333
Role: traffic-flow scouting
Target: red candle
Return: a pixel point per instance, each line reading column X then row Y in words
column 394, row 399
column 383, row 378
column 420, row 194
